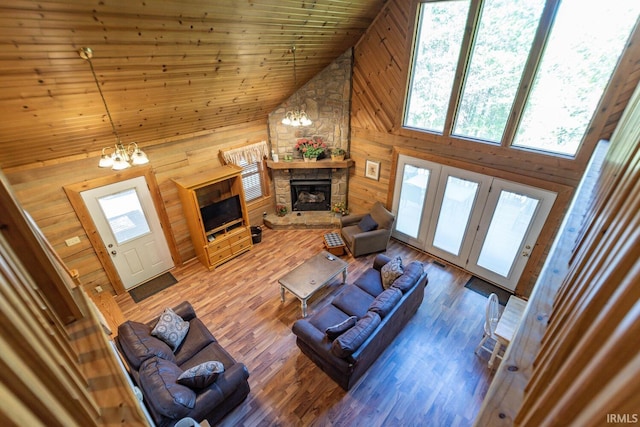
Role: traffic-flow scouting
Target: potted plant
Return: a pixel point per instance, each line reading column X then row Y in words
column 281, row 210
column 340, row 208
column 337, row 154
column 311, row 148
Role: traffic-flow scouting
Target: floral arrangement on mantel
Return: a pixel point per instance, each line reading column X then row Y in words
column 312, row 147
column 337, row 153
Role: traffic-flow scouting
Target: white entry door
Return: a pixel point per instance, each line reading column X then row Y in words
column 130, row 229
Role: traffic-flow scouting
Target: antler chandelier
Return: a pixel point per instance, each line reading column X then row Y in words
column 295, row 117
column 122, row 157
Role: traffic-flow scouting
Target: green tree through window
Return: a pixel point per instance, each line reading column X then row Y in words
column 499, row 55
column 581, row 50
column 440, row 32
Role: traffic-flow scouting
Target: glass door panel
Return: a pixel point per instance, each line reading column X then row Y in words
column 415, row 189
column 412, row 198
column 455, row 212
column 507, row 230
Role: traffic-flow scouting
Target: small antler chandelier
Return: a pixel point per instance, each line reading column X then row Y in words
column 295, row 117
column 122, row 157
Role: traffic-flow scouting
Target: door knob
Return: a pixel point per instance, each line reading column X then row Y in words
column 525, row 253
column 113, row 252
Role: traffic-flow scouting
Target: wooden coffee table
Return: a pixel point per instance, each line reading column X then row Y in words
column 311, row 276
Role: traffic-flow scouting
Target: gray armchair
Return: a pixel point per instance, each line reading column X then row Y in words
column 362, row 242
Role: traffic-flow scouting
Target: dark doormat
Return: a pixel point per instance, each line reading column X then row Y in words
column 485, row 288
column 152, row 287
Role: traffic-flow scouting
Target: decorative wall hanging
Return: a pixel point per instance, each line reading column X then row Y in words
column 372, row 170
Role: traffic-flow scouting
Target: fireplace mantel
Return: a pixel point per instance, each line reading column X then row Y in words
column 320, row 164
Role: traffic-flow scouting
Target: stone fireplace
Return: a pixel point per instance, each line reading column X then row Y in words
column 327, row 100
column 303, row 188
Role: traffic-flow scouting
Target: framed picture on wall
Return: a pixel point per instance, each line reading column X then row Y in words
column 372, row 170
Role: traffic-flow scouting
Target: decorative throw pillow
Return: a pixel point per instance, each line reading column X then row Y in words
column 384, row 303
column 391, row 271
column 159, row 378
column 408, row 280
column 350, row 341
column 138, row 345
column 171, row 328
column 367, row 223
column 202, row 375
column 335, row 331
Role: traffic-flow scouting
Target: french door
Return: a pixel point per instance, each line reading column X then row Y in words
column 513, row 217
column 480, row 223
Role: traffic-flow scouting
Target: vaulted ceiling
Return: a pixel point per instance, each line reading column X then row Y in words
column 167, row 68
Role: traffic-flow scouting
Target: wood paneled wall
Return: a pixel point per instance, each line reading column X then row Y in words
column 585, row 369
column 40, row 191
column 381, row 66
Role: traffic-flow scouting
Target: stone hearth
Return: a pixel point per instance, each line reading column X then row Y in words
column 302, row 220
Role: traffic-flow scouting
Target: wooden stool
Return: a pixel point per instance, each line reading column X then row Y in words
column 334, row 244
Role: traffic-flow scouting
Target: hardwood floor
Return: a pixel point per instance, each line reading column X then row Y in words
column 428, row 376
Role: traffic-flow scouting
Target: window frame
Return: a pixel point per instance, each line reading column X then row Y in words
column 543, row 31
column 465, row 46
column 262, row 177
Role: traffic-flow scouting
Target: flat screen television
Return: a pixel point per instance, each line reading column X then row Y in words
column 220, row 213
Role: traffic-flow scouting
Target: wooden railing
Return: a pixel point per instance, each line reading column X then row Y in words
column 576, row 357
column 53, row 348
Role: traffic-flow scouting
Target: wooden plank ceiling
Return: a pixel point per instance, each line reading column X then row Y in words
column 167, row 68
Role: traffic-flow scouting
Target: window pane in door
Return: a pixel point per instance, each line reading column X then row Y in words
column 435, row 60
column 509, row 224
column 500, row 51
column 124, row 215
column 455, row 212
column 412, row 198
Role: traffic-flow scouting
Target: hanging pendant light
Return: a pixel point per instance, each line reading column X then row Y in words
column 295, row 117
column 122, row 157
